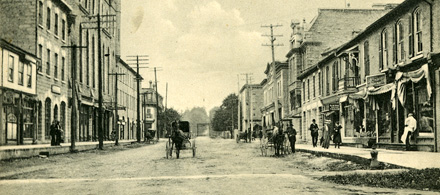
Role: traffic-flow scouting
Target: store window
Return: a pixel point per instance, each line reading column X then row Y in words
column 425, row 115
column 47, row 106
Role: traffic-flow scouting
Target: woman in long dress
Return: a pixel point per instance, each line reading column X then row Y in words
column 326, row 135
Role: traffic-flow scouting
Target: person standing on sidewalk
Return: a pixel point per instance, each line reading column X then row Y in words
column 59, row 132
column 337, row 135
column 314, row 132
column 326, row 135
column 53, row 133
column 410, row 127
column 291, row 132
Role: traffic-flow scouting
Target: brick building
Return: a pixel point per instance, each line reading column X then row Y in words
column 44, row 28
column 311, row 42
column 250, row 101
column 279, row 96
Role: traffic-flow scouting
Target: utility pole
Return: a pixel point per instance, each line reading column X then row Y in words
column 157, row 105
column 274, row 78
column 138, row 79
column 74, row 110
column 116, row 74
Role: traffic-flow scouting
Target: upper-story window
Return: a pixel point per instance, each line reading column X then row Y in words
column 55, row 70
column 55, row 30
column 335, row 75
column 63, row 65
column 11, row 68
column 308, row 89
column 48, row 19
column 319, row 83
column 29, row 75
column 20, row 73
column 304, row 92
column 40, row 13
column 400, row 50
column 48, row 62
column 327, row 83
column 366, row 58
column 417, row 19
column 383, row 50
column 40, row 55
column 63, row 29
column 314, row 91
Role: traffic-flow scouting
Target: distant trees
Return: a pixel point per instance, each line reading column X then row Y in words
column 225, row 118
column 195, row 116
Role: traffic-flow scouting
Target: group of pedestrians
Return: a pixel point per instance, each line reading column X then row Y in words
column 55, row 133
column 326, row 134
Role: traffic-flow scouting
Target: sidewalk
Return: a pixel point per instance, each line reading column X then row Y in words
column 408, row 159
column 25, row 151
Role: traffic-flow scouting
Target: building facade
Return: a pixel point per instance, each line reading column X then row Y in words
column 250, row 101
column 18, row 92
column 311, row 42
column 270, row 96
column 150, row 108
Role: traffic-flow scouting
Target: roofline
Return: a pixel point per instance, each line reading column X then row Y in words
column 396, row 12
column 128, row 67
column 250, row 85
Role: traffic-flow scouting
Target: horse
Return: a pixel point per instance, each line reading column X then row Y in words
column 177, row 136
column 278, row 140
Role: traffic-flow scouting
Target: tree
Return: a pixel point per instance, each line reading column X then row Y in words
column 167, row 116
column 225, row 118
column 195, row 116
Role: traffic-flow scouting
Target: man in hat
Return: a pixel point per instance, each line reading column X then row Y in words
column 291, row 132
column 410, row 127
column 314, row 132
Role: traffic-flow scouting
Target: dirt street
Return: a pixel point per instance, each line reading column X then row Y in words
column 220, row 167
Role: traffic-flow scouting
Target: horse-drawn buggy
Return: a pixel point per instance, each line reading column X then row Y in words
column 242, row 135
column 275, row 139
column 179, row 138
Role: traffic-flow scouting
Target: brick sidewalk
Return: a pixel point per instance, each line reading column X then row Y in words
column 409, row 159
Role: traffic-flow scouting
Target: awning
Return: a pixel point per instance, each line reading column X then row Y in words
column 358, row 95
column 343, row 99
column 329, row 113
column 382, row 89
column 414, row 76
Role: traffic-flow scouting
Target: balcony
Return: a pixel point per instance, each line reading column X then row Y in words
column 348, row 83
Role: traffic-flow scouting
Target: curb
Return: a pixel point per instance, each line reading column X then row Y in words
column 353, row 158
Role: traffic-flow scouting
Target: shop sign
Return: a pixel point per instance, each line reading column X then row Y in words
column 56, row 89
column 376, row 80
column 333, row 107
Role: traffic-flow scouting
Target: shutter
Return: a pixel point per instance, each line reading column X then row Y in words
column 380, row 53
column 395, row 44
column 411, row 37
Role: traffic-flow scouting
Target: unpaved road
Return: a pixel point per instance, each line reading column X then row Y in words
column 220, row 167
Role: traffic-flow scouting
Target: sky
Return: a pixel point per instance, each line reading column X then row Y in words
column 204, row 48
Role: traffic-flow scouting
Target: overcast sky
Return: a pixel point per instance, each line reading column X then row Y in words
column 202, row 45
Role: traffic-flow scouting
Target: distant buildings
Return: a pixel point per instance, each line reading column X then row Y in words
column 251, row 100
column 149, row 108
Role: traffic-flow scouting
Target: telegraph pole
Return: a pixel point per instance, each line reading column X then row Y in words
column 157, row 105
column 274, row 78
column 138, row 80
column 74, row 111
column 116, row 74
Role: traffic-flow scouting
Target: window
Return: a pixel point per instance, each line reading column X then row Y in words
column 40, row 13
column 304, row 91
column 314, row 94
column 308, row 89
column 29, row 75
column 327, row 73
column 11, row 68
column 418, row 30
column 63, row 65
column 335, row 76
column 63, row 116
column 367, row 58
column 319, row 83
column 48, row 62
column 48, row 19
column 20, row 73
column 383, row 50
column 87, row 60
column 56, row 25
column 55, row 70
column 63, row 30
column 400, row 50
column 93, row 62
column 40, row 55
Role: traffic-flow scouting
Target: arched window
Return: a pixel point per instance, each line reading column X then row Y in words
column 47, row 106
column 400, row 52
column 417, row 21
column 55, row 112
column 63, row 116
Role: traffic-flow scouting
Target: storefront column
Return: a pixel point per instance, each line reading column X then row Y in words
column 2, row 122
column 436, row 113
